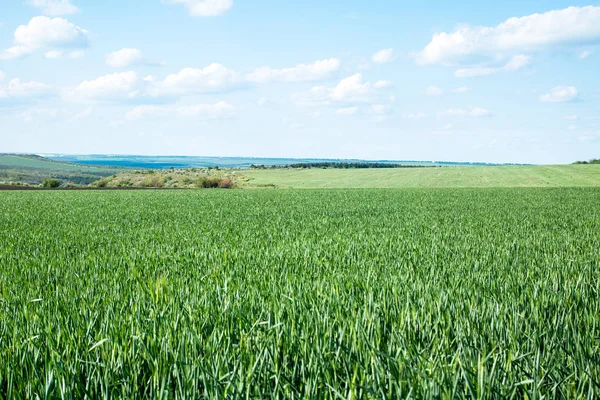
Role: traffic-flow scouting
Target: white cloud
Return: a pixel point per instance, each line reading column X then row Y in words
column 571, row 117
column 15, row 52
column 475, row 71
column 209, row 111
column 415, row 116
column 584, row 54
column 471, row 112
column 434, row 91
column 15, row 88
column 560, row 94
column 124, row 58
column 534, row 32
column 347, row 111
column 461, row 90
column 383, row 84
column 84, row 114
column 349, row 90
column 44, row 32
column 53, row 54
column 1, row 76
column 211, row 79
column 112, row 87
column 205, row 8
column 380, row 109
column 515, row 63
column 75, row 54
column 316, row 71
column 262, row 101
column 55, row 7
column 39, row 113
column 383, row 56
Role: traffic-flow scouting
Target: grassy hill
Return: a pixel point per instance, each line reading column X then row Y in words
column 32, row 169
column 504, row 176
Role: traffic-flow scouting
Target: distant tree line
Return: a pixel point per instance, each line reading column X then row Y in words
column 594, row 161
column 341, row 165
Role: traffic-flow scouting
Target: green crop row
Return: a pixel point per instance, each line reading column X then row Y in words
column 441, row 293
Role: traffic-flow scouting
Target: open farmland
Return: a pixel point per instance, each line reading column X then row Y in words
column 300, row 294
column 445, row 177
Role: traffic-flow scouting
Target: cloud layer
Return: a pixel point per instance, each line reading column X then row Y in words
column 573, row 25
column 205, row 8
column 45, row 33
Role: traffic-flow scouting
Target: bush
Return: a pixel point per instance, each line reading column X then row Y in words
column 214, row 183
column 154, row 181
column 226, row 183
column 102, row 183
column 51, row 183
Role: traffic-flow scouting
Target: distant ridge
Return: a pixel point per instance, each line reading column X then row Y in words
column 162, row 162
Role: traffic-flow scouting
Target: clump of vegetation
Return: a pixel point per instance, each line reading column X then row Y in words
column 51, row 183
column 214, row 183
column 102, row 183
column 592, row 161
column 154, row 181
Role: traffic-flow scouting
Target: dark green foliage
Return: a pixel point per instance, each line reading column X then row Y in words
column 593, row 161
column 214, row 183
column 316, row 294
column 342, row 165
column 51, row 183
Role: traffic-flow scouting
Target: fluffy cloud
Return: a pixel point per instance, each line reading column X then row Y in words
column 44, row 32
column 112, row 87
column 210, row 111
column 349, row 90
column 515, row 63
column 461, row 90
column 54, row 7
column 415, row 116
column 53, row 54
column 316, row 71
column 534, row 32
column 211, row 79
column 124, row 58
column 471, row 112
column 205, row 8
column 347, row 111
column 434, row 91
column 383, row 56
column 15, row 88
column 383, row 84
column 560, row 94
column 584, row 54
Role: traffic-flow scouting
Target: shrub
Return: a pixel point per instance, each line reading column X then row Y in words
column 102, row 183
column 214, row 183
column 154, row 181
column 208, row 183
column 226, row 183
column 51, row 183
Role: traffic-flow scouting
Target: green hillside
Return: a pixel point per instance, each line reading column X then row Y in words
column 32, row 169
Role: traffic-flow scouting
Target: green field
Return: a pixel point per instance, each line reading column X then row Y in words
column 503, row 176
column 32, row 169
column 340, row 294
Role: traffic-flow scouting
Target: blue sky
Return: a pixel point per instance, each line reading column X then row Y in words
column 510, row 81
